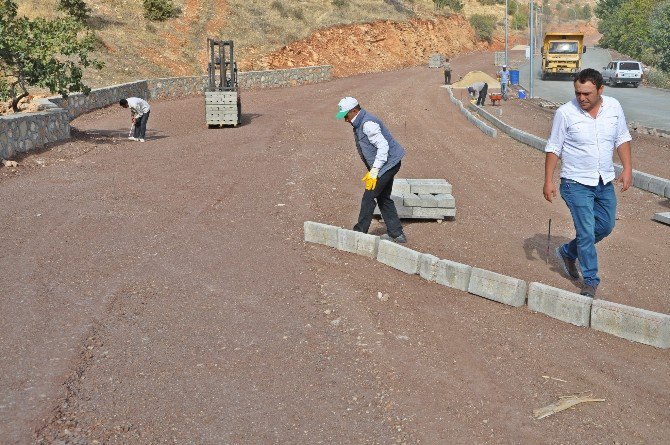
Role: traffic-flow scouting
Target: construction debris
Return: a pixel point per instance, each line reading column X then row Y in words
column 562, row 404
column 7, row 163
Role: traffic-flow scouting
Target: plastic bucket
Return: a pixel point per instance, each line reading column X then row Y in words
column 514, row 77
column 522, row 94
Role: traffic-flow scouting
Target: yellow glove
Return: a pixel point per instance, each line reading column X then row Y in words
column 370, row 179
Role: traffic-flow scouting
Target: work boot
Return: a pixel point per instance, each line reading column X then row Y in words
column 132, row 138
column 569, row 266
column 401, row 239
column 588, row 291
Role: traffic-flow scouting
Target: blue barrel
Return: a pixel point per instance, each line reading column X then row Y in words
column 522, row 94
column 514, row 77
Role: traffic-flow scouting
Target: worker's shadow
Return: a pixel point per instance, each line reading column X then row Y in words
column 536, row 249
column 102, row 137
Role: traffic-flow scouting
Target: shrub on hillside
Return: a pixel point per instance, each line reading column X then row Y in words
column 491, row 2
column 76, row 8
column 484, row 25
column 454, row 5
column 159, row 10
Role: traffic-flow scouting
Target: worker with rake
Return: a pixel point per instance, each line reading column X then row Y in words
column 139, row 113
column 381, row 154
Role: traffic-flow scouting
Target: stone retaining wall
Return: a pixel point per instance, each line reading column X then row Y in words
column 26, row 131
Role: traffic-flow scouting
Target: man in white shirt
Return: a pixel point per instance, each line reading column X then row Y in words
column 139, row 112
column 381, row 154
column 478, row 90
column 584, row 135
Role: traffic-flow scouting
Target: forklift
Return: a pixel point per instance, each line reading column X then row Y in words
column 223, row 105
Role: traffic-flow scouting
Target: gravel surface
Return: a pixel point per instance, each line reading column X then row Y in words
column 161, row 292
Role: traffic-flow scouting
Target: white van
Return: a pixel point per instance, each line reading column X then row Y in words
column 622, row 72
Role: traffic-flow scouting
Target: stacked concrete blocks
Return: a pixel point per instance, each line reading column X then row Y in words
column 639, row 325
column 560, row 304
column 423, row 199
column 497, row 287
column 357, row 242
column 663, row 217
column 321, row 234
column 453, row 274
column 398, row 257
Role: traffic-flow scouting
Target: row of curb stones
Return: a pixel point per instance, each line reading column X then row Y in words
column 486, row 129
column 644, row 181
column 631, row 323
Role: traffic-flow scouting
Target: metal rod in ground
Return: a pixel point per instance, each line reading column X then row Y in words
column 548, row 240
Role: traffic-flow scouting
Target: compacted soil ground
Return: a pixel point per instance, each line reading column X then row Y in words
column 162, row 292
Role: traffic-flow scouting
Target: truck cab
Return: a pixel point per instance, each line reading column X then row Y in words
column 562, row 53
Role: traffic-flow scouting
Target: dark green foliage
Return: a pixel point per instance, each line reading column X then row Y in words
column 491, row 2
column 76, row 8
column 42, row 53
column 287, row 12
column 159, row 10
column 340, row 3
column 484, row 26
column 659, row 35
column 454, row 5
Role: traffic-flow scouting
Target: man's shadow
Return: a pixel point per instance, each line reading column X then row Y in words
column 536, row 249
column 102, row 137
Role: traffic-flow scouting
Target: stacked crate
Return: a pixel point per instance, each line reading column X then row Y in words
column 423, row 199
column 221, row 108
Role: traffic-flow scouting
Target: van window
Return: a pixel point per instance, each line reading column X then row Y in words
column 563, row 48
column 633, row 66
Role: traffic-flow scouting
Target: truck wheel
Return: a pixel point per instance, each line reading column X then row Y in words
column 543, row 76
column 239, row 111
column 636, row 84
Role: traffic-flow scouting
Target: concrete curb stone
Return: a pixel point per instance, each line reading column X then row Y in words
column 631, row 323
column 560, row 304
column 321, row 233
column 497, row 287
column 663, row 217
column 398, row 257
column 357, row 242
column 453, row 274
column 428, row 266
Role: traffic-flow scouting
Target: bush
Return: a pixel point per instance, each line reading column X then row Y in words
column 491, row 2
column 340, row 3
column 484, row 25
column 454, row 5
column 159, row 10
column 658, row 78
column 76, row 8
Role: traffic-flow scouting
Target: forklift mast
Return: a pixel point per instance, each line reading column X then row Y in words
column 222, row 67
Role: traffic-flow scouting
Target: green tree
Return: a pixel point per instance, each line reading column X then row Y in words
column 659, row 35
column 484, row 26
column 42, row 53
column 76, row 8
column 586, row 12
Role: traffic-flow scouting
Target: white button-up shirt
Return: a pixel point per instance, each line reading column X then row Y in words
column 584, row 144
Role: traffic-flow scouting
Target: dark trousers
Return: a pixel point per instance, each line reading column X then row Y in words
column 482, row 94
column 447, row 77
column 141, row 125
column 382, row 194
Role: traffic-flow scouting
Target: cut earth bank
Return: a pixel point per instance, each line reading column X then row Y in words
column 163, row 291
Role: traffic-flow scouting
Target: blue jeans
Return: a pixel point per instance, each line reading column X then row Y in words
column 593, row 210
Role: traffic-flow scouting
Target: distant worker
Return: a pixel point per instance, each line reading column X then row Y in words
column 584, row 134
column 447, row 72
column 381, row 154
column 503, row 77
column 139, row 112
column 478, row 90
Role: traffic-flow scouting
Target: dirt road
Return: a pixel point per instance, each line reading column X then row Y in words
column 161, row 292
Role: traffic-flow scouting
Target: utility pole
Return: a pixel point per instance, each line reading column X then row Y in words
column 532, row 48
column 506, row 33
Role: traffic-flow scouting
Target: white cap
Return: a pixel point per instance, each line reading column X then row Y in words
column 345, row 105
column 504, row 66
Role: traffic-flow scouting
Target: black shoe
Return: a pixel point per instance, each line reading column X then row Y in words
column 401, row 239
column 569, row 266
column 588, row 291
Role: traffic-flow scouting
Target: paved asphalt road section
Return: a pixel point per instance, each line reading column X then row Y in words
column 647, row 106
column 162, row 292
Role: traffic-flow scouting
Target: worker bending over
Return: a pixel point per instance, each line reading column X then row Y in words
column 478, row 90
column 139, row 113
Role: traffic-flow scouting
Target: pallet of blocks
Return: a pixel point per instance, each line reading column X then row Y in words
column 422, row 199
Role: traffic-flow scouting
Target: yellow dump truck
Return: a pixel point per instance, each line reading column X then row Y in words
column 562, row 53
